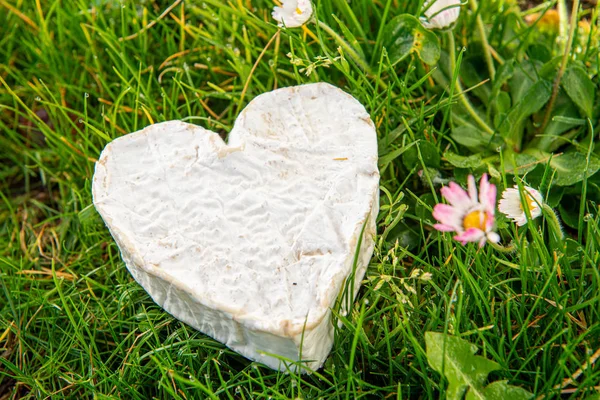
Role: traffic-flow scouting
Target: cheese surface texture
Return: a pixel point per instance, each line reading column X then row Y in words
column 255, row 240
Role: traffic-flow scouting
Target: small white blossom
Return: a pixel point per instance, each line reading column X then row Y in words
column 440, row 14
column 511, row 205
column 292, row 13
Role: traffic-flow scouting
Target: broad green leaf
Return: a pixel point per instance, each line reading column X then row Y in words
column 524, row 163
column 455, row 359
column 494, row 173
column 580, row 88
column 511, row 32
column 473, row 161
column 532, row 101
column 569, row 211
column 524, row 76
column 441, row 74
column 503, row 74
column 502, row 102
column 471, row 77
column 406, row 235
column 550, row 68
column 564, row 118
column 540, row 52
column 387, row 158
column 501, row 390
column 469, row 136
column 429, row 153
column 570, row 168
column 555, row 196
column 405, row 35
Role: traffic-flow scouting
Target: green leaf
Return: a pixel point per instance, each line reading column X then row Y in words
column 564, row 118
column 469, row 73
column 387, row 158
column 524, row 163
column 429, row 153
column 502, row 103
column 531, row 102
column 580, row 89
column 570, row 168
column 539, row 52
column 406, row 236
column 405, row 35
column 423, row 207
column 524, row 76
column 501, row 390
column 455, row 359
column 569, row 211
column 555, row 195
column 469, row 136
column 503, row 74
column 473, row 161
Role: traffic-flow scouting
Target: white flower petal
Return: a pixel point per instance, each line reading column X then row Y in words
column 292, row 13
column 493, row 237
column 440, row 14
column 511, row 206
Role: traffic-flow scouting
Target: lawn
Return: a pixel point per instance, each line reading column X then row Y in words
column 508, row 91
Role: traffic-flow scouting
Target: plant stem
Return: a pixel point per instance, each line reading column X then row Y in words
column 503, row 249
column 563, row 65
column 486, row 46
column 461, row 96
column 553, row 222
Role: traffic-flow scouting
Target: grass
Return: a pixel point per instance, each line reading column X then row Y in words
column 73, row 323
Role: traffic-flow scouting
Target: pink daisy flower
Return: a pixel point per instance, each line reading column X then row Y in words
column 470, row 216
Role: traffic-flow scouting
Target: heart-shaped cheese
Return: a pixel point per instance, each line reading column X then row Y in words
column 251, row 242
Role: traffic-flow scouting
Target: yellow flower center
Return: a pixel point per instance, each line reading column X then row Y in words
column 475, row 219
column 298, row 11
column 530, row 203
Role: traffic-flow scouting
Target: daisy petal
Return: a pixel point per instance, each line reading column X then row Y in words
column 440, row 13
column 446, row 214
column 292, row 13
column 489, row 220
column 493, row 237
column 472, row 186
column 487, row 193
column 455, row 195
column 484, row 186
column 470, row 235
column 482, row 242
column 521, row 220
column 444, row 228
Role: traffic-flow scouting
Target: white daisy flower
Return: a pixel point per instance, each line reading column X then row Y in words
column 512, row 207
column 440, row 14
column 292, row 13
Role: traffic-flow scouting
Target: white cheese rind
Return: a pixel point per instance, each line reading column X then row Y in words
column 250, row 242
